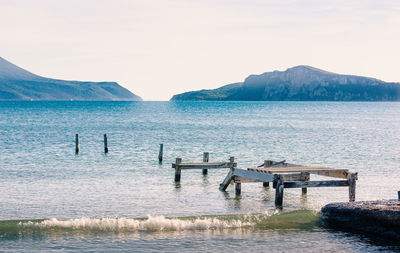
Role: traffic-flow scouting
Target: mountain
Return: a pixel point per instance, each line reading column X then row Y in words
column 19, row 84
column 300, row 83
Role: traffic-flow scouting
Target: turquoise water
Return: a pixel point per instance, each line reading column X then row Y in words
column 96, row 198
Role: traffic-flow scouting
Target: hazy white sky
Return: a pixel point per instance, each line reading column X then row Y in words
column 164, row 47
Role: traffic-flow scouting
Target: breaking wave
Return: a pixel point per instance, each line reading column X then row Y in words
column 152, row 223
column 296, row 219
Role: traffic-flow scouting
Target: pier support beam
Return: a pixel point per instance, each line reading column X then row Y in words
column 352, row 187
column 227, row 181
column 238, row 188
column 76, row 143
column 229, row 178
column 178, row 169
column 279, row 191
column 206, row 157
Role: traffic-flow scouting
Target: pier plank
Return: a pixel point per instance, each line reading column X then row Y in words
column 214, row 165
column 303, row 184
column 322, row 171
column 263, row 177
column 286, row 177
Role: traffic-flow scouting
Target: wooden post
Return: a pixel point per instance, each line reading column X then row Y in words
column 398, row 195
column 352, row 187
column 238, row 188
column 266, row 164
column 160, row 153
column 105, row 144
column 206, row 157
column 279, row 191
column 76, row 143
column 232, row 160
column 178, row 169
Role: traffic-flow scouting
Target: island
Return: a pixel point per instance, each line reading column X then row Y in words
column 19, row 84
column 300, row 83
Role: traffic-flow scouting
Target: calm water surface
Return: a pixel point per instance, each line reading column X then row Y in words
column 91, row 201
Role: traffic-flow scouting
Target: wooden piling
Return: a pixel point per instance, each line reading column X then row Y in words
column 266, row 164
column 352, row 187
column 305, row 177
column 160, row 153
column 238, row 188
column 206, row 157
column 178, row 169
column 105, row 144
column 232, row 160
column 279, row 191
column 76, row 143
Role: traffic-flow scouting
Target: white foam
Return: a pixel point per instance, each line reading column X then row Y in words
column 152, row 223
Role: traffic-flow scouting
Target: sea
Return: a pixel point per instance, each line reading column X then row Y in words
column 53, row 200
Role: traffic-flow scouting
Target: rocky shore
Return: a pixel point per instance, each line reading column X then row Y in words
column 380, row 218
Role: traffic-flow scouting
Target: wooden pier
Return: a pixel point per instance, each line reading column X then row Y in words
column 285, row 175
column 204, row 166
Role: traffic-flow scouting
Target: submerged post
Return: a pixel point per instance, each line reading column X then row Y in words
column 76, row 143
column 206, row 156
column 160, row 153
column 105, row 144
column 178, row 169
column 279, row 191
column 267, row 163
column 352, row 187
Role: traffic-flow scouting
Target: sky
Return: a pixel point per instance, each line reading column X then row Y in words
column 158, row 48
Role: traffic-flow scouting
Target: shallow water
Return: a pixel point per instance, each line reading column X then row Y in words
column 42, row 178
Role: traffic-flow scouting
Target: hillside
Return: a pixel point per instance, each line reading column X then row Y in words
column 300, row 83
column 19, row 84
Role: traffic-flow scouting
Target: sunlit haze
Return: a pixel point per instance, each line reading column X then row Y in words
column 160, row 48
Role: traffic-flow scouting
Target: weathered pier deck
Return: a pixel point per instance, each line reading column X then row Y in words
column 285, row 175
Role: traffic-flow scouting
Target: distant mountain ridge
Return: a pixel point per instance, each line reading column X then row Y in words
column 19, row 84
column 300, row 83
